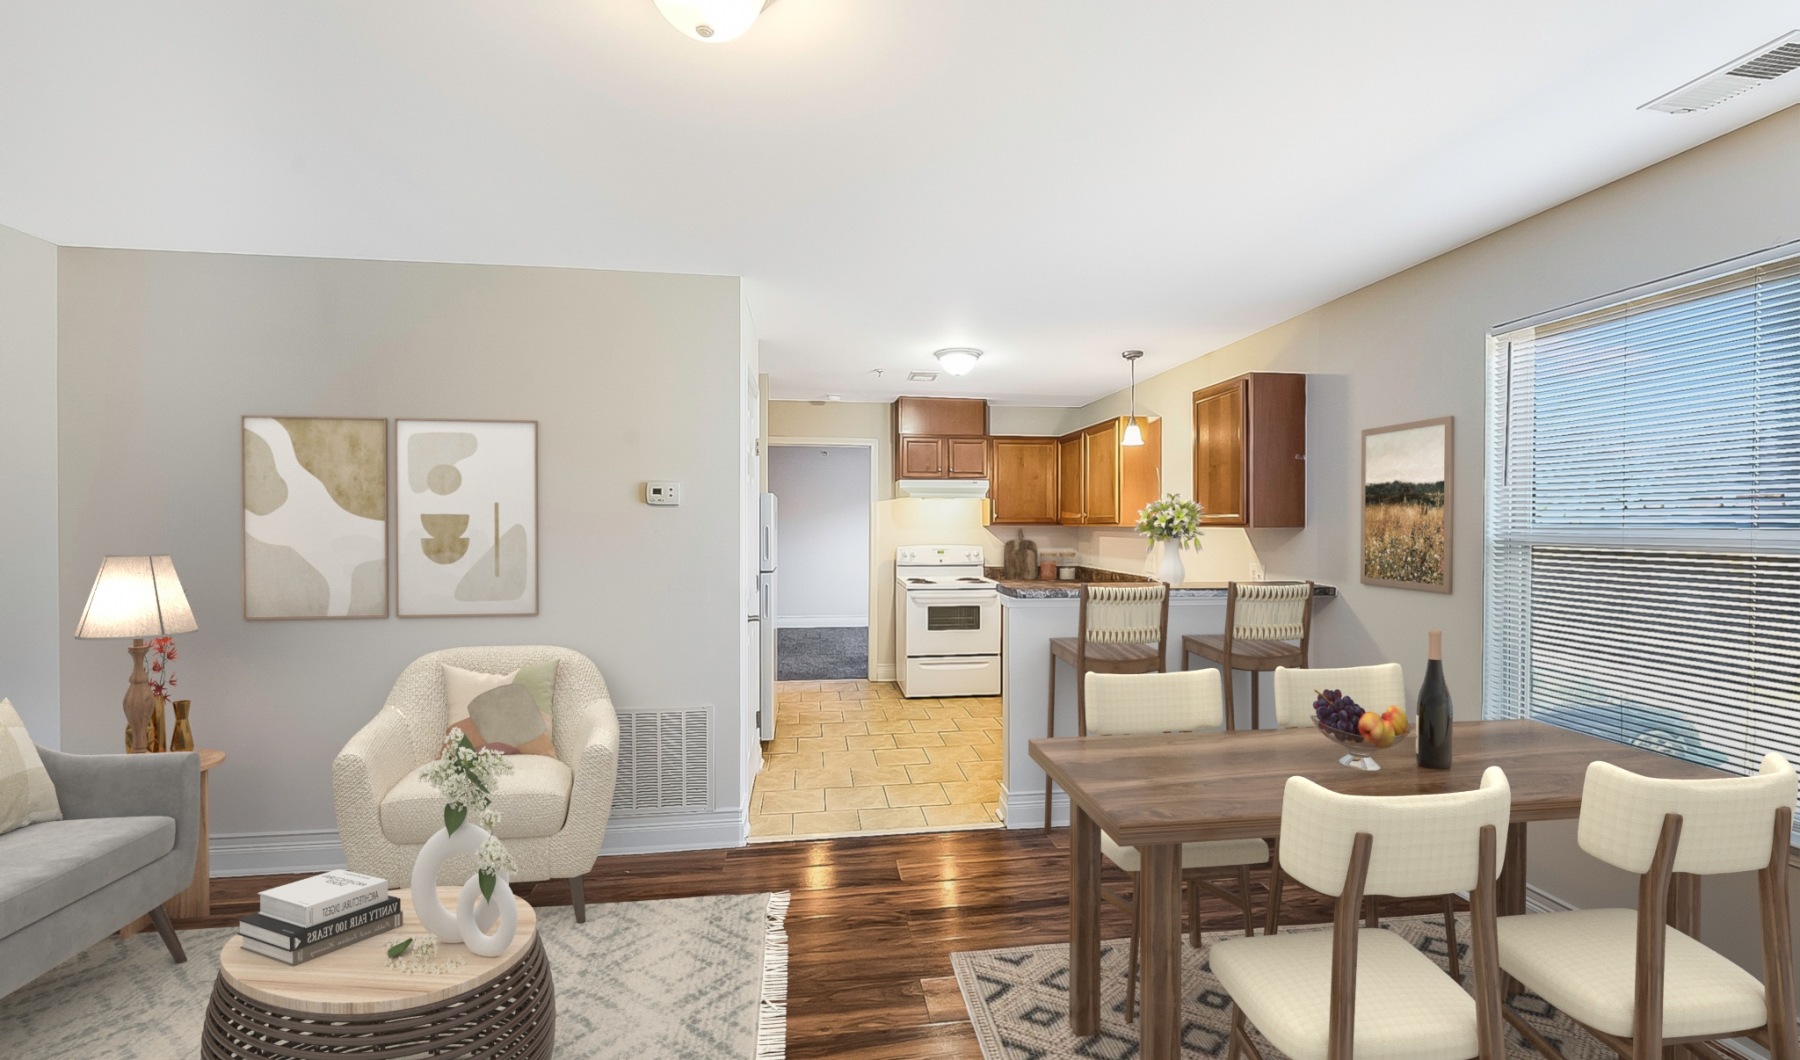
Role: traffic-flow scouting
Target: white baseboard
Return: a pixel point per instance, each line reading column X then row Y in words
column 819, row 621
column 687, row 831
column 260, row 853
column 1026, row 809
column 1541, row 901
column 886, row 672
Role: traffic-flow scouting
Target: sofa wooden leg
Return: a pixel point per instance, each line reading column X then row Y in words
column 579, row 898
column 160, row 917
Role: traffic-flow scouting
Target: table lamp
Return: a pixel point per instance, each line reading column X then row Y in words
column 137, row 597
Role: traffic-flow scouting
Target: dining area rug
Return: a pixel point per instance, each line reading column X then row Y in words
column 1018, row 1001
column 702, row 978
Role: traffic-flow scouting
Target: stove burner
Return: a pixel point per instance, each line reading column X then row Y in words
column 918, row 581
column 977, row 581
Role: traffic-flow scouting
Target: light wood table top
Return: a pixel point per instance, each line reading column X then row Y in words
column 1183, row 787
column 358, row 980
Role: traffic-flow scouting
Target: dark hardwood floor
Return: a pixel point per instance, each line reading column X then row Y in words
column 872, row 923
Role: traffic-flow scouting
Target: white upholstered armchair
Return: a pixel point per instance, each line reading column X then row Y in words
column 553, row 811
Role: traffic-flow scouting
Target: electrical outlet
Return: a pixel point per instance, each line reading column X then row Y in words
column 662, row 494
column 1256, row 572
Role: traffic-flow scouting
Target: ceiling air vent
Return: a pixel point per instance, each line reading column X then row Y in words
column 1734, row 78
column 921, row 377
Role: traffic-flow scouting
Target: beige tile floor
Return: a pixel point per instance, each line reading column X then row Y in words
column 853, row 757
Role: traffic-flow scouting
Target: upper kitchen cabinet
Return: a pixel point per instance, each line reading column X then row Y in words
column 1104, row 482
column 940, row 438
column 1250, row 450
column 1023, row 479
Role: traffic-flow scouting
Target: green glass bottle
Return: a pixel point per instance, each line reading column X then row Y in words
column 1434, row 709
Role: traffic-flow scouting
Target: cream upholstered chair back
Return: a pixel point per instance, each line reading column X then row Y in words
column 1727, row 825
column 1373, row 687
column 1183, row 701
column 1269, row 610
column 1421, row 844
column 418, row 693
column 1124, row 614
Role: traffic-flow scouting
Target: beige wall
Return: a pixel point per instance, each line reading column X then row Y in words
column 31, row 630
column 1413, row 346
column 631, row 376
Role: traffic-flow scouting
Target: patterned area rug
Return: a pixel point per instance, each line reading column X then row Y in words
column 1019, row 1002
column 696, row 978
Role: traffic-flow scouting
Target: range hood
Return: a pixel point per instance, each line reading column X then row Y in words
column 947, row 488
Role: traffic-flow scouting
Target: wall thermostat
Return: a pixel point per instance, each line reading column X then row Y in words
column 662, row 494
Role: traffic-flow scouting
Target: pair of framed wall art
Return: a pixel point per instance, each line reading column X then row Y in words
column 316, row 517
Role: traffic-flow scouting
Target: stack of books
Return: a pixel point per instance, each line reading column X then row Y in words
column 312, row 917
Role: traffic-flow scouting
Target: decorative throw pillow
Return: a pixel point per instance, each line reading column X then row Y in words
column 26, row 795
column 512, row 732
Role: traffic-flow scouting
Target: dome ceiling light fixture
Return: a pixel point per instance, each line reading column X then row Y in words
column 958, row 360
column 1134, row 435
column 712, row 21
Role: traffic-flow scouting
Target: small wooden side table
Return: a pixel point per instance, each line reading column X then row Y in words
column 196, row 900
column 353, row 1002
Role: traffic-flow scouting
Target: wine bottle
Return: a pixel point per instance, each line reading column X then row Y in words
column 1434, row 709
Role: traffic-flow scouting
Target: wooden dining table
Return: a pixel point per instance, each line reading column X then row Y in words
column 1157, row 792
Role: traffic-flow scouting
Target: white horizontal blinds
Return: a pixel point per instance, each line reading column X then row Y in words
column 1643, row 552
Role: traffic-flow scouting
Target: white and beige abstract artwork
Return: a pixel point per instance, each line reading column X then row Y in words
column 466, row 539
column 315, row 517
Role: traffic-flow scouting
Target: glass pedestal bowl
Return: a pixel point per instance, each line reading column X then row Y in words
column 1359, row 753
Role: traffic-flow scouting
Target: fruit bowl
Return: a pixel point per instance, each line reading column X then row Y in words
column 1362, row 732
column 1359, row 752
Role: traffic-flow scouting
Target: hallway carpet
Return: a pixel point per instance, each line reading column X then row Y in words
column 822, row 654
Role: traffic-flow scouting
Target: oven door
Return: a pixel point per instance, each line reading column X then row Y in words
column 952, row 622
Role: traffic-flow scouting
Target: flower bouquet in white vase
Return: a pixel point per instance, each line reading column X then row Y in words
column 486, row 918
column 1175, row 523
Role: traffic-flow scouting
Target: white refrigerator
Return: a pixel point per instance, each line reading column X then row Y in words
column 765, row 616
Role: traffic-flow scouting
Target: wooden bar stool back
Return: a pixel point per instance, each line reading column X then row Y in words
column 1267, row 624
column 1639, row 979
column 1124, row 630
column 1130, row 704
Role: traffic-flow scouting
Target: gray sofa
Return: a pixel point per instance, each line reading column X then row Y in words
column 125, row 845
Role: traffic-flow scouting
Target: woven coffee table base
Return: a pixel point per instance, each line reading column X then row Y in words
column 512, row 1017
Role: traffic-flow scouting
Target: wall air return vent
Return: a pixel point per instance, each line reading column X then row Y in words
column 664, row 758
column 1734, row 78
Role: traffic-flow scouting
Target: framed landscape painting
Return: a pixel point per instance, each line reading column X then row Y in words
column 1406, row 480
column 466, row 534
column 315, row 517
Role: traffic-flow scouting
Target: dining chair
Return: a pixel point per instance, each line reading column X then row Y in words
column 1300, row 990
column 1632, row 980
column 1124, row 630
column 1124, row 705
column 1267, row 624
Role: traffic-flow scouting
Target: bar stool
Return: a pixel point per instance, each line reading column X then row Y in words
column 1267, row 625
column 1124, row 630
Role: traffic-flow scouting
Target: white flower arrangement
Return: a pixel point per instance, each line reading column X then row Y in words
column 1172, row 519
column 418, row 956
column 467, row 779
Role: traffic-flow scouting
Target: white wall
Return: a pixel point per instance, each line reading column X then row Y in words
column 823, row 521
column 1413, row 346
column 31, row 630
column 631, row 376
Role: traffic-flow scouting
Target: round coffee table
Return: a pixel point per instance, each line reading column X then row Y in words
column 350, row 1002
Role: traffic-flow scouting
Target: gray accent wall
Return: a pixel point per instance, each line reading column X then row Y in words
column 631, row 376
column 31, row 629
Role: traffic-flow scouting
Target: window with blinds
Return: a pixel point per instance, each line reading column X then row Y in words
column 1643, row 518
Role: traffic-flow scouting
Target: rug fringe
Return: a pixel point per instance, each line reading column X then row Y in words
column 771, row 1021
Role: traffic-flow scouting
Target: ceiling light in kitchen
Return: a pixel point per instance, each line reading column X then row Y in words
column 711, row 21
column 1134, row 435
column 957, row 360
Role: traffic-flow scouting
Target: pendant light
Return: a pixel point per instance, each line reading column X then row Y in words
column 711, row 21
column 1134, row 435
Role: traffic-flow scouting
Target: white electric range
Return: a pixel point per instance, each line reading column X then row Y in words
column 946, row 623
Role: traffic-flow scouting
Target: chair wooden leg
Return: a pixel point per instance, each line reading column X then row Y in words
column 1227, row 675
column 1194, row 915
column 1137, row 932
column 578, row 897
column 1255, row 706
column 1371, row 913
column 1050, row 731
column 1244, row 893
column 1272, row 919
column 1450, row 938
column 160, row 917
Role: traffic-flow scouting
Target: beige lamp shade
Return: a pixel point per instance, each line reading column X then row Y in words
column 136, row 596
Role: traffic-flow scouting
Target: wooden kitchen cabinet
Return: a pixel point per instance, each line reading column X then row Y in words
column 921, row 458
column 1023, row 482
column 940, row 438
column 1104, row 482
column 965, row 458
column 1250, row 450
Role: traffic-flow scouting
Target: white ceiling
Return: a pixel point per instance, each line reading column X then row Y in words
column 1050, row 180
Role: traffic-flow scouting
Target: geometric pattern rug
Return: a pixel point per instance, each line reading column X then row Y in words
column 1018, row 1000
column 683, row 977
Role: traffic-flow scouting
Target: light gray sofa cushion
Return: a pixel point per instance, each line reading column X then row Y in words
column 46, row 866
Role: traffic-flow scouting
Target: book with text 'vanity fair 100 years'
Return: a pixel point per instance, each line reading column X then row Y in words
column 283, row 935
column 320, row 949
column 326, row 896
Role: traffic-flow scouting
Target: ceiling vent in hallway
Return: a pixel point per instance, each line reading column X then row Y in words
column 1734, row 78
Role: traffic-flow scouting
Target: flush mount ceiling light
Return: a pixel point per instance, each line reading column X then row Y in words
column 712, row 21
column 1134, row 435
column 957, row 360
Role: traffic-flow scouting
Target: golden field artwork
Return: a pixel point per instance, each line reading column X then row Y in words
column 1406, row 511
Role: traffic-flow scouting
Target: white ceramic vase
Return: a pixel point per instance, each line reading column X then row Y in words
column 1171, row 569
column 485, row 927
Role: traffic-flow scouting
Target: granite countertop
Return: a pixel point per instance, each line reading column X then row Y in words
column 1069, row 590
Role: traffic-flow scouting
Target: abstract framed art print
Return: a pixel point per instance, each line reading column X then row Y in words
column 465, row 530
column 315, row 517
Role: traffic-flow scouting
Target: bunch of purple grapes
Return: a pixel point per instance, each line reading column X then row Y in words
column 1337, row 711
